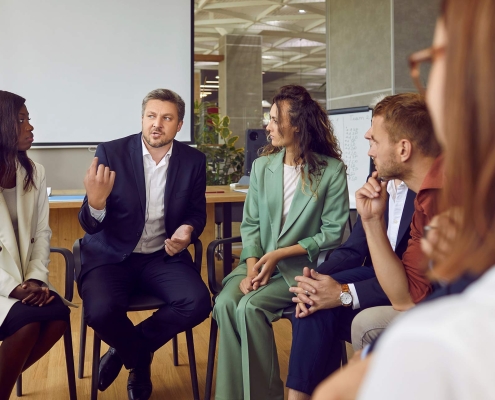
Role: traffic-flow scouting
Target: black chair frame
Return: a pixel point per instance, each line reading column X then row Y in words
column 139, row 302
column 216, row 287
column 68, row 295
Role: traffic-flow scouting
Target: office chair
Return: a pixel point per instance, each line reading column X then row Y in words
column 216, row 287
column 69, row 354
column 138, row 302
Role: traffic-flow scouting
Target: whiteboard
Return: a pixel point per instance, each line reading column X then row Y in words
column 84, row 67
column 350, row 126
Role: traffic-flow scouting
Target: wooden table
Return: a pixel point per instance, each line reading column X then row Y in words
column 66, row 229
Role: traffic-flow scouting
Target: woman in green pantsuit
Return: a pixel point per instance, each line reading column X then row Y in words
column 297, row 206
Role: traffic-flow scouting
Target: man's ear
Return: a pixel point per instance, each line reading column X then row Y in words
column 405, row 150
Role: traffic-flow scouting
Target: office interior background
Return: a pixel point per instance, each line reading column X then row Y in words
column 345, row 52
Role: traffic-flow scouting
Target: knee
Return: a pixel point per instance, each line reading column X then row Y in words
column 202, row 305
column 101, row 315
column 29, row 333
column 225, row 307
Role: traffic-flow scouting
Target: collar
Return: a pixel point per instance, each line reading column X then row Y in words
column 392, row 189
column 435, row 176
column 146, row 151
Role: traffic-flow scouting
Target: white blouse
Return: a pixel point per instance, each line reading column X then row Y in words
column 440, row 350
column 291, row 177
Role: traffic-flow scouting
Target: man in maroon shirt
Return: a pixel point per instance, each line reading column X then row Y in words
column 418, row 164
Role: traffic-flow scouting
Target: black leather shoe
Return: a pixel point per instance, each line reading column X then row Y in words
column 139, row 385
column 110, row 366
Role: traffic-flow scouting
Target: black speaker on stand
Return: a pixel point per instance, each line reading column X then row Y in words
column 255, row 140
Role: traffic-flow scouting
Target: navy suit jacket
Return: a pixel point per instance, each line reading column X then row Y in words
column 355, row 253
column 115, row 238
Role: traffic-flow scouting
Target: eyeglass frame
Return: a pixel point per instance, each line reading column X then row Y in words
column 428, row 55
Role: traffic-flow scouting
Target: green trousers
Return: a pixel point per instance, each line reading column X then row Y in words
column 247, row 356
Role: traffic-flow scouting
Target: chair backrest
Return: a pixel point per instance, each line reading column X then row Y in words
column 69, row 271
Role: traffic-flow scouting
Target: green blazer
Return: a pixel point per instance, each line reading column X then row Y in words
column 315, row 222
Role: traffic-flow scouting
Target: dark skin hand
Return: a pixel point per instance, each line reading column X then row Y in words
column 32, row 293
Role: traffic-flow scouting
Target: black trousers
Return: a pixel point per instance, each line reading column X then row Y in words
column 106, row 290
column 316, row 350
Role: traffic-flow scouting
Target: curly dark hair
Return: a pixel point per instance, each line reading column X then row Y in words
column 10, row 104
column 314, row 134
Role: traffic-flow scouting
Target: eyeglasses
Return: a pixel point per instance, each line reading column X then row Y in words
column 428, row 55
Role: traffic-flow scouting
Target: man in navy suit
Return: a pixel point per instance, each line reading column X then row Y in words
column 145, row 202
column 350, row 263
column 404, row 148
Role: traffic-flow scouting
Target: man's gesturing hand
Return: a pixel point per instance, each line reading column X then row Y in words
column 179, row 240
column 98, row 182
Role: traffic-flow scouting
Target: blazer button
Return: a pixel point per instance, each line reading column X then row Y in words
column 124, row 256
column 32, row 240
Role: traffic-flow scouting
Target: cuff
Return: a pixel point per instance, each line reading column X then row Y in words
column 311, row 247
column 97, row 214
column 250, row 251
column 355, row 298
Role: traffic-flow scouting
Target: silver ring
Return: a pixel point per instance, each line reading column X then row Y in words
column 306, row 293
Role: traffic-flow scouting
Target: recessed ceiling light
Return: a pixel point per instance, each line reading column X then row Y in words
column 217, row 77
column 302, row 11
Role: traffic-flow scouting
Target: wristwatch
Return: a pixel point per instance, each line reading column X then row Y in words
column 346, row 296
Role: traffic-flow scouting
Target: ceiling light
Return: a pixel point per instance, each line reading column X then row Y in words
column 217, row 77
column 302, row 11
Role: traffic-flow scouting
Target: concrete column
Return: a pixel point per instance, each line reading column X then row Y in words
column 367, row 47
column 240, row 83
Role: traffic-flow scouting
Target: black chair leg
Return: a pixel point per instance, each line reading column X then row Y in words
column 69, row 360
column 192, row 363
column 175, row 351
column 19, row 386
column 211, row 358
column 344, row 352
column 82, row 344
column 95, row 368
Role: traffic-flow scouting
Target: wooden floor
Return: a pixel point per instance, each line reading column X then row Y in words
column 47, row 379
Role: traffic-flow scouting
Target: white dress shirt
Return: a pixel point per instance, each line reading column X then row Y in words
column 439, row 350
column 396, row 202
column 155, row 175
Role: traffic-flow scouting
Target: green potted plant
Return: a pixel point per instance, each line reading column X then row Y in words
column 224, row 161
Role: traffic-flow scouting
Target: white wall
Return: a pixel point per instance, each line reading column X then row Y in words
column 85, row 66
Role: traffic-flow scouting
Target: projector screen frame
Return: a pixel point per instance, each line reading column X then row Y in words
column 94, row 144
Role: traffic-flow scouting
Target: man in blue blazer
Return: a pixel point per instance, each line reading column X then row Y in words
column 145, row 202
column 316, row 348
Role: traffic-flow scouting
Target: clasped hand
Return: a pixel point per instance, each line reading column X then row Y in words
column 99, row 181
column 316, row 290
column 257, row 278
column 32, row 293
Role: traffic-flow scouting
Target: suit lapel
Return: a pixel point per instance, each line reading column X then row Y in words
column 407, row 213
column 274, row 191
column 7, row 235
column 173, row 168
column 136, row 156
column 25, row 210
column 300, row 200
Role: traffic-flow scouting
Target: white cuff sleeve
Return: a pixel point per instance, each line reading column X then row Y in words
column 355, row 298
column 99, row 215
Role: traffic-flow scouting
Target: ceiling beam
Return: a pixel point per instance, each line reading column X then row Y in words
column 209, row 57
column 232, row 4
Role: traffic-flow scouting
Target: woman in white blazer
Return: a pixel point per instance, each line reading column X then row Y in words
column 32, row 316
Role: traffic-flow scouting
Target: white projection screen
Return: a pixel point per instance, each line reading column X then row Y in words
column 84, row 66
